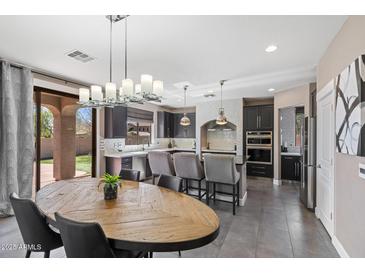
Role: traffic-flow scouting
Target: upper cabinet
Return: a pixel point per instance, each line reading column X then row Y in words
column 168, row 125
column 258, row 117
column 165, row 124
column 116, row 122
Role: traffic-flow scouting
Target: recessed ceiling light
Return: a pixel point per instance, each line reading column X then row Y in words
column 271, row 48
column 210, row 91
column 271, row 90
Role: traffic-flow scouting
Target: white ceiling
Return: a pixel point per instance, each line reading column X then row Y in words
column 198, row 49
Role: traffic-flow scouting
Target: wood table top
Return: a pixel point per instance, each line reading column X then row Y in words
column 143, row 217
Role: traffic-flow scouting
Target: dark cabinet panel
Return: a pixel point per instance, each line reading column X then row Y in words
column 259, row 170
column 251, row 116
column 266, row 117
column 165, row 122
column 290, row 168
column 116, row 122
column 168, row 125
column 258, row 117
column 127, row 163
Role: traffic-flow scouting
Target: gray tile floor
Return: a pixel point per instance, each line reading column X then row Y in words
column 273, row 223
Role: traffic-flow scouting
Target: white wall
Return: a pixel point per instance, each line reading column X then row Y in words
column 209, row 111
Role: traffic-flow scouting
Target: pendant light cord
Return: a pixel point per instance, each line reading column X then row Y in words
column 185, row 88
column 110, row 49
column 125, row 50
column 221, row 82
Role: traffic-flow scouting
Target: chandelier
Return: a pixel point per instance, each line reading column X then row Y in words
column 147, row 90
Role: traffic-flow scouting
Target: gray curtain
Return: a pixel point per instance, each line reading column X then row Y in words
column 16, row 134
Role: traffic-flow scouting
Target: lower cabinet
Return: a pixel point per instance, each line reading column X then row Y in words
column 259, row 170
column 127, row 163
column 291, row 168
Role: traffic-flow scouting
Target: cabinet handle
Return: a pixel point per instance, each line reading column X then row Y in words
column 257, row 121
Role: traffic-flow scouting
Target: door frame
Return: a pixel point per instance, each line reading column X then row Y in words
column 38, row 103
column 327, row 91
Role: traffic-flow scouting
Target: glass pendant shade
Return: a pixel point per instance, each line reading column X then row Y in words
column 158, row 87
column 84, row 95
column 110, row 91
column 221, row 119
column 128, row 86
column 138, row 88
column 96, row 93
column 146, row 83
column 185, row 121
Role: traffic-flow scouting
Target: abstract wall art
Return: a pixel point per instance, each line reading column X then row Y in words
column 350, row 109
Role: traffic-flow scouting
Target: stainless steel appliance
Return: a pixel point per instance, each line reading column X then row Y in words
column 308, row 149
column 259, row 147
column 259, row 138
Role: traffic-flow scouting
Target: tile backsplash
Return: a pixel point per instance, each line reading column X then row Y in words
column 176, row 142
column 222, row 139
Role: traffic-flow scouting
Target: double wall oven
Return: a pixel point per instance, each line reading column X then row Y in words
column 259, row 147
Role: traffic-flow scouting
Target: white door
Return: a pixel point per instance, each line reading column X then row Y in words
column 325, row 156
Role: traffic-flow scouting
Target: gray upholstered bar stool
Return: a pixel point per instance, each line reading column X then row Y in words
column 160, row 163
column 189, row 168
column 221, row 169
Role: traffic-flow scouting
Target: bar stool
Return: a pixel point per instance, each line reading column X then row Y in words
column 160, row 163
column 221, row 169
column 189, row 168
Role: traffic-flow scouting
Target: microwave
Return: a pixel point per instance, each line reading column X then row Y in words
column 259, row 138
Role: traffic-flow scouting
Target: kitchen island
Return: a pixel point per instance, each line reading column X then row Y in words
column 138, row 160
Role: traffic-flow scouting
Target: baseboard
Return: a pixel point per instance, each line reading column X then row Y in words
column 277, row 182
column 339, row 247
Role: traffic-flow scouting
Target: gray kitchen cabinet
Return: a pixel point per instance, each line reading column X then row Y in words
column 258, row 117
column 290, row 167
column 165, row 124
column 115, row 122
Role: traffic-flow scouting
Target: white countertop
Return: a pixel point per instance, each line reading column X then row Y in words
column 142, row 153
column 219, row 151
column 291, row 154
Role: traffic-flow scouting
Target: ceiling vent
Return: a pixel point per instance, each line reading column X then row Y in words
column 80, row 56
column 209, row 95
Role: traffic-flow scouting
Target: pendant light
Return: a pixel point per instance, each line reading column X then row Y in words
column 185, row 121
column 127, row 90
column 221, row 119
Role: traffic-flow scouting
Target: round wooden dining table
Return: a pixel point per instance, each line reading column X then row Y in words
column 144, row 217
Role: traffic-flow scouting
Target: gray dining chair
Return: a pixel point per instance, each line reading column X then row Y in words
column 221, row 169
column 189, row 168
column 160, row 163
column 130, row 174
column 34, row 227
column 170, row 182
column 87, row 240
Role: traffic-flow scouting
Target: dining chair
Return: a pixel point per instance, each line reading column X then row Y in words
column 34, row 227
column 170, row 182
column 87, row 240
column 221, row 169
column 130, row 174
column 189, row 168
column 160, row 163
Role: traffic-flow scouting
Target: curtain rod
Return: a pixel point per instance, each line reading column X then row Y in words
column 42, row 73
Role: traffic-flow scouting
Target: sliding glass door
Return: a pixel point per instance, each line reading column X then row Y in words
column 64, row 138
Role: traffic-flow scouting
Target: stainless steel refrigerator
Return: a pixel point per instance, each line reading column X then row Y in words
column 308, row 151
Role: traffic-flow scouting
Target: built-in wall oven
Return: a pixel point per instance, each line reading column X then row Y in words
column 259, row 147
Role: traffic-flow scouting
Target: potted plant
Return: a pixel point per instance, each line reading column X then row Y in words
column 111, row 184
